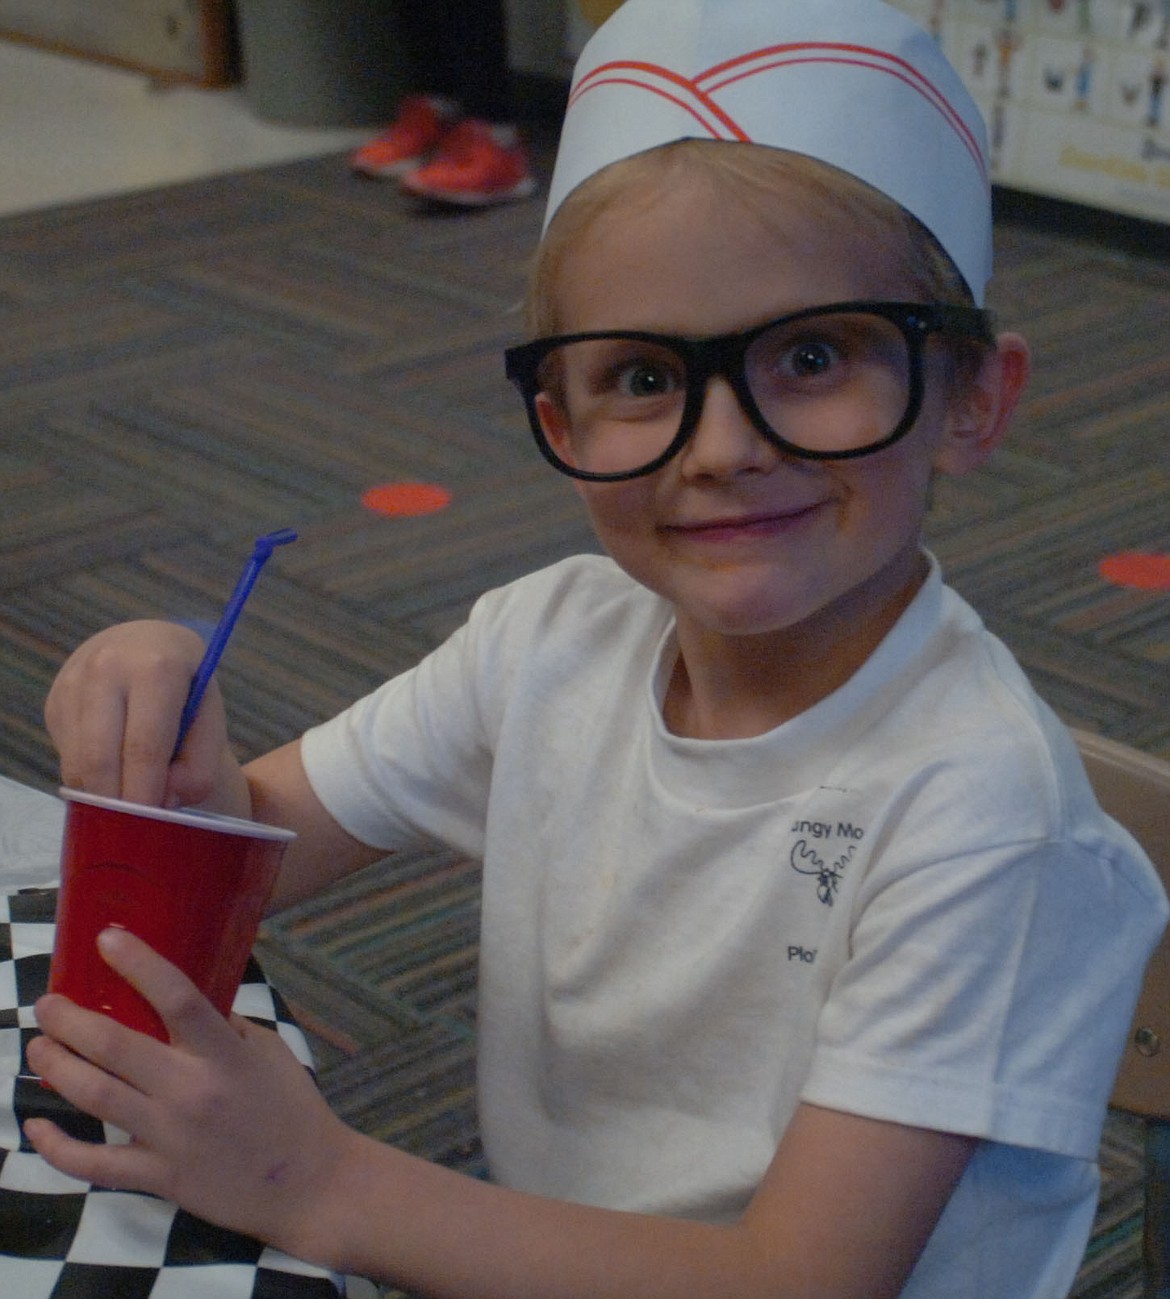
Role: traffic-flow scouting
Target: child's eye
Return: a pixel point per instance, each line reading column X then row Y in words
column 809, row 359
column 633, row 370
column 645, row 379
column 808, row 356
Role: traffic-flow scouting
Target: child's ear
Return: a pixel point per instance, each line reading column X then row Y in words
column 979, row 415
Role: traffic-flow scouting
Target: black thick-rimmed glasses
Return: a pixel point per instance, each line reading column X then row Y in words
column 827, row 383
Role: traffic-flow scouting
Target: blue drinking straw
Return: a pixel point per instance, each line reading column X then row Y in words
column 219, row 638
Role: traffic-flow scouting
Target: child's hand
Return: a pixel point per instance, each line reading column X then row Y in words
column 225, row 1121
column 113, row 713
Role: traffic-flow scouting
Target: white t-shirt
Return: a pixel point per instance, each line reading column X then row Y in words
column 904, row 903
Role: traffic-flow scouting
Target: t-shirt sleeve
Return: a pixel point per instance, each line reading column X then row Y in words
column 410, row 764
column 989, row 994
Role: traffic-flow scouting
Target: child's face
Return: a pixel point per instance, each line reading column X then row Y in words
column 740, row 537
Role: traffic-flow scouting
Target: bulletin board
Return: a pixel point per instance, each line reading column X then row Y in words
column 1074, row 93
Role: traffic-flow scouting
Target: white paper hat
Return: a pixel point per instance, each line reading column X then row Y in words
column 855, row 83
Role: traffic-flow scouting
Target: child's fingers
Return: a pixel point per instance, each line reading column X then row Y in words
column 147, row 745
column 191, row 1021
column 94, row 1064
column 82, row 1080
column 191, row 777
column 151, row 725
column 113, row 711
column 125, row 1167
column 87, row 727
column 100, row 1055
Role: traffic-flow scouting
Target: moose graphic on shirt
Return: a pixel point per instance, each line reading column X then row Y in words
column 817, row 853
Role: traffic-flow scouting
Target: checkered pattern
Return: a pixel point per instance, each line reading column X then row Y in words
column 64, row 1239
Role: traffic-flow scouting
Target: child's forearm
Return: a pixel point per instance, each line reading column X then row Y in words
column 844, row 1211
column 438, row 1233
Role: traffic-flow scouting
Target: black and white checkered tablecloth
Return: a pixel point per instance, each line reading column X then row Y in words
column 64, row 1239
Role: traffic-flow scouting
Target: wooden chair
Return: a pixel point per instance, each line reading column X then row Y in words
column 1134, row 788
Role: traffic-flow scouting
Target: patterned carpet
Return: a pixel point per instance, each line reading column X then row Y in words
column 185, row 369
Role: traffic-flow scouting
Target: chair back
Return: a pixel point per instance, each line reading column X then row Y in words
column 1134, row 788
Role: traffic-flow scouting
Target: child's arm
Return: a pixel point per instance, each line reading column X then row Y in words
column 113, row 713
column 843, row 1213
column 322, row 852
column 227, row 1124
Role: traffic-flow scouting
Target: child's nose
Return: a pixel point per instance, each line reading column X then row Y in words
column 725, row 441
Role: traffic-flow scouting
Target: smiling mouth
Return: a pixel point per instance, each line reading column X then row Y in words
column 747, row 525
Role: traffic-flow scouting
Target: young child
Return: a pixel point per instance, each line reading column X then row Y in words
column 807, row 956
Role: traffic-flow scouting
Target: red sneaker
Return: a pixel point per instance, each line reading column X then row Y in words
column 475, row 165
column 415, row 134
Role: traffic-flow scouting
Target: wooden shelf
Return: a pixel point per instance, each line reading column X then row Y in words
column 170, row 40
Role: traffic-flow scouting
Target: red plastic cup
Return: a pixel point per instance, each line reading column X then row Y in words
column 192, row 885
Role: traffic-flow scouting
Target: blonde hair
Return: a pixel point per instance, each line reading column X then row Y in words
column 752, row 174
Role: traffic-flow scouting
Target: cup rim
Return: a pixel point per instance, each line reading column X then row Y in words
column 189, row 816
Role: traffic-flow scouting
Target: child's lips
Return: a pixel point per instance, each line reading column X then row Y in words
column 762, row 523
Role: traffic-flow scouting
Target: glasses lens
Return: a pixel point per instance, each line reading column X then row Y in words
column 611, row 405
column 836, row 382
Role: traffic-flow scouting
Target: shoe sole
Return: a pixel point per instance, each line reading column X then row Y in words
column 389, row 170
column 473, row 198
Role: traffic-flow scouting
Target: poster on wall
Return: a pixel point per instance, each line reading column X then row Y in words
column 1074, row 93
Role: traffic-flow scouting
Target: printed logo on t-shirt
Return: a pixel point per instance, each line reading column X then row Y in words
column 823, row 851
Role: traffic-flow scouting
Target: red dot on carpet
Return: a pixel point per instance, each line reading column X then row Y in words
column 1137, row 569
column 403, row 499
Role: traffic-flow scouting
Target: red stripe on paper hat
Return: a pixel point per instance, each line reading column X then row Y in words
column 854, row 83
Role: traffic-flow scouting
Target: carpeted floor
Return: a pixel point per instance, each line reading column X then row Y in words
column 185, row 369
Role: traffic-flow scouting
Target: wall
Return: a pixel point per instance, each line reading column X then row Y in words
column 1076, row 94
column 537, row 32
